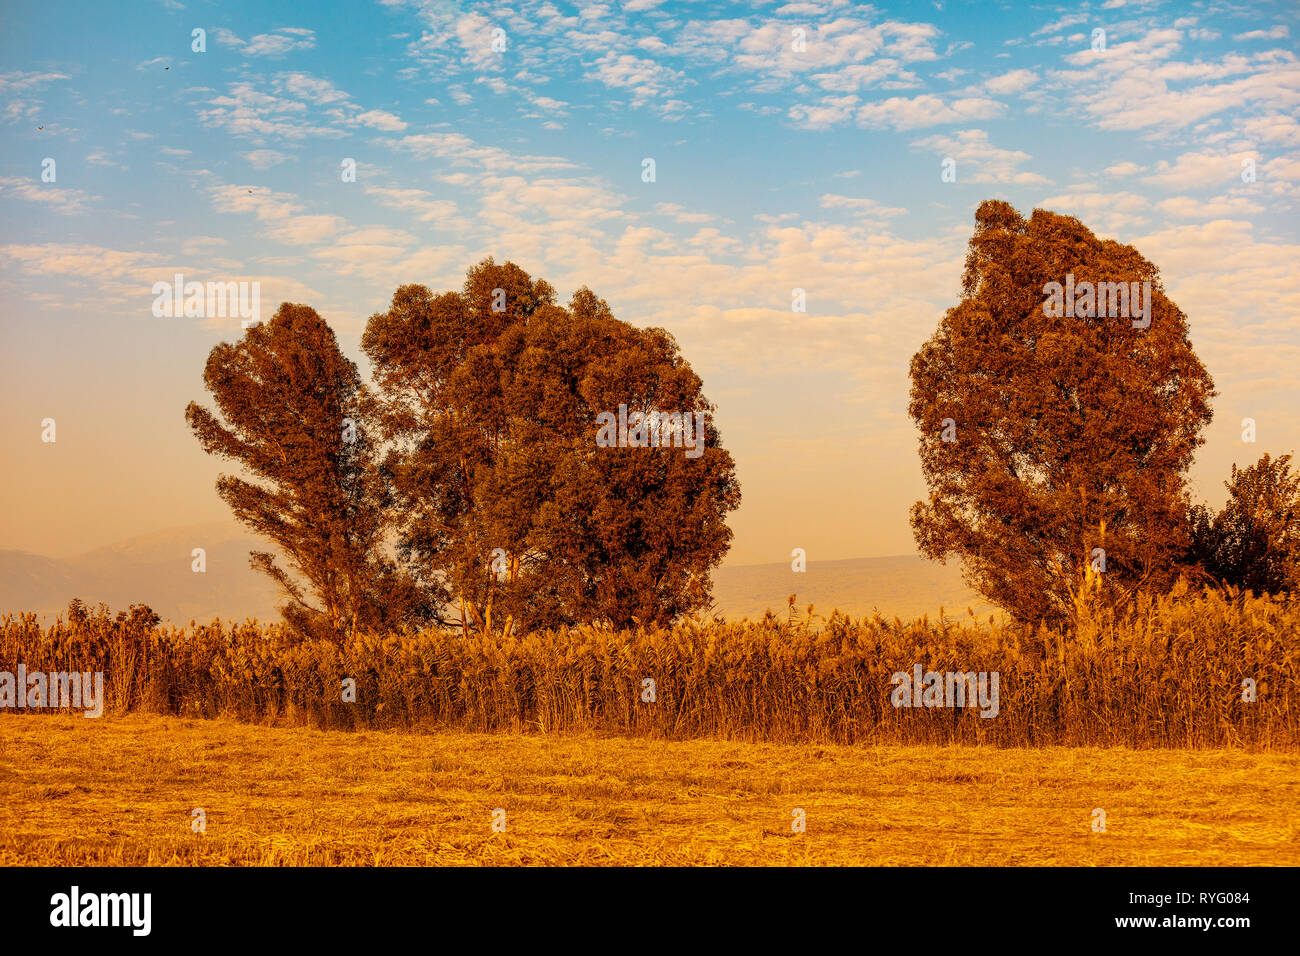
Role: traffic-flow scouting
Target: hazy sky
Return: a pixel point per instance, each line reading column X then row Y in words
column 780, row 163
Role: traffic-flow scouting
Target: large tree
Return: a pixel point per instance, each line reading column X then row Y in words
column 1050, row 436
column 1254, row 542
column 490, row 397
column 290, row 413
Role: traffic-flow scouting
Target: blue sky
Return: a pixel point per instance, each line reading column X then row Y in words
column 779, row 164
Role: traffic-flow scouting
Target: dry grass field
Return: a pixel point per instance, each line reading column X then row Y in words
column 120, row 790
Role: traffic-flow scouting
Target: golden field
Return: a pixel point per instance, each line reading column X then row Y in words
column 120, row 790
column 1141, row 715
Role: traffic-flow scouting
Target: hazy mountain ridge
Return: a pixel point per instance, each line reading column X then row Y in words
column 155, row 569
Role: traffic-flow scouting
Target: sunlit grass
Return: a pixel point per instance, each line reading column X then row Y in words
column 121, row 791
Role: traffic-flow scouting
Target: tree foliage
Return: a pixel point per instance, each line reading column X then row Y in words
column 1254, row 542
column 289, row 411
column 1066, row 434
column 488, row 398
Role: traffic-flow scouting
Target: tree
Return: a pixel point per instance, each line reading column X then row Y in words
column 490, row 399
column 139, row 619
column 291, row 414
column 1053, row 442
column 1254, row 542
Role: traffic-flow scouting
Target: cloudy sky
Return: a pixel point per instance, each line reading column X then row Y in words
column 795, row 145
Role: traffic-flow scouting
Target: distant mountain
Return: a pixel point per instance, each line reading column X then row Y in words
column 903, row 586
column 31, row 582
column 155, row 570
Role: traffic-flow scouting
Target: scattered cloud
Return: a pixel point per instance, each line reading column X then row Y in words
column 978, row 160
column 277, row 43
column 264, row 158
column 53, row 197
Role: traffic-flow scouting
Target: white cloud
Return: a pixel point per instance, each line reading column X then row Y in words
column 292, row 106
column 978, row 160
column 1198, row 171
column 651, row 84
column 926, row 110
column 16, row 101
column 248, row 112
column 67, row 201
column 280, row 212
column 459, row 149
column 197, row 245
column 282, row 41
column 1056, row 26
column 1279, row 32
column 679, row 213
column 857, row 76
column 416, row 201
column 1138, row 85
column 1126, row 168
column 311, row 89
column 1223, row 207
column 265, row 158
column 304, row 230
column 1016, row 81
column 1276, row 128
column 379, row 119
column 867, row 207
column 1107, row 212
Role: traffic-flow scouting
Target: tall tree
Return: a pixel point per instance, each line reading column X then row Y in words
column 1056, row 429
column 291, row 414
column 1254, row 542
column 491, row 399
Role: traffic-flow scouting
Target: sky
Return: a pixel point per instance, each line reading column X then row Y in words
column 794, row 146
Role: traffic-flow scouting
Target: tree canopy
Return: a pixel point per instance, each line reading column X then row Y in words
column 1056, row 439
column 289, row 411
column 519, row 464
column 1254, row 542
column 490, row 399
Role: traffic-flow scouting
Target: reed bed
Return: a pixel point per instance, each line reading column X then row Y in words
column 1168, row 673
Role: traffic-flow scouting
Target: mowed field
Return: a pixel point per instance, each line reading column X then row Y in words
column 121, row 790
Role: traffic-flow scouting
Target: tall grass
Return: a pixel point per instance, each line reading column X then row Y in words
column 1166, row 674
